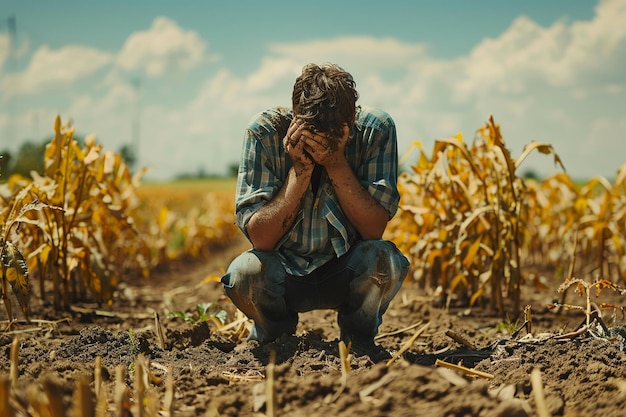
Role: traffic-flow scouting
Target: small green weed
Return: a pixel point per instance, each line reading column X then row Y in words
column 507, row 327
column 134, row 350
column 204, row 312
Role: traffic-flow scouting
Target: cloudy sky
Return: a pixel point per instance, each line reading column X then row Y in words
column 187, row 76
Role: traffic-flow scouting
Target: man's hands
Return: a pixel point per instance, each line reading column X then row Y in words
column 365, row 213
column 324, row 150
column 294, row 144
column 307, row 148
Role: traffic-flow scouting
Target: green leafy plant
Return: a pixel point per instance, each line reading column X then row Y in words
column 134, row 346
column 507, row 326
column 134, row 350
column 204, row 312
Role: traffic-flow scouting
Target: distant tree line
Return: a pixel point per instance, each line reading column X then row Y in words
column 231, row 171
column 29, row 157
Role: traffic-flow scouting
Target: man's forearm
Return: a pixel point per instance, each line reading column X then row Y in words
column 362, row 210
column 270, row 222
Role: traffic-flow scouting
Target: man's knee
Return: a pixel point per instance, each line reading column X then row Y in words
column 381, row 261
column 379, row 271
column 255, row 284
column 254, row 275
column 242, row 269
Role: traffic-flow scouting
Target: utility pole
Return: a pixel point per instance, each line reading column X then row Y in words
column 12, row 28
column 11, row 23
column 136, row 121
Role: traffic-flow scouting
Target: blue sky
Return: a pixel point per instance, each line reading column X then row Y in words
column 191, row 74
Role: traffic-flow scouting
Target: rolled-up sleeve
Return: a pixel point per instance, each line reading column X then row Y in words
column 379, row 174
column 257, row 180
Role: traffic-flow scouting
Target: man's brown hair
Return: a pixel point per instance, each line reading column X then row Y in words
column 325, row 97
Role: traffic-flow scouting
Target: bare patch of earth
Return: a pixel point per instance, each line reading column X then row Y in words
column 215, row 373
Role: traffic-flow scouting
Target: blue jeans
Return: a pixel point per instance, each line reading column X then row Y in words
column 359, row 286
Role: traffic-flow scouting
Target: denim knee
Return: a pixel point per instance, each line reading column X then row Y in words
column 380, row 261
column 379, row 271
column 255, row 284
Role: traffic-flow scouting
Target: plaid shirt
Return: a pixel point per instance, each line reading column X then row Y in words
column 320, row 231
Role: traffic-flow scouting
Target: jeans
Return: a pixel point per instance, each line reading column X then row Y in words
column 359, row 286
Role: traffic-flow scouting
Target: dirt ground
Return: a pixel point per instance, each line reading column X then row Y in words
column 215, row 374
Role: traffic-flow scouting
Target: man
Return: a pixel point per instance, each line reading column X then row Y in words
column 315, row 190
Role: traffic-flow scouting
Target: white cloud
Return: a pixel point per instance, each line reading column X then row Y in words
column 117, row 100
column 217, row 98
column 373, row 88
column 272, row 72
column 352, row 52
column 560, row 84
column 524, row 51
column 562, row 55
column 49, row 68
column 163, row 48
column 602, row 141
column 110, row 117
column 213, row 122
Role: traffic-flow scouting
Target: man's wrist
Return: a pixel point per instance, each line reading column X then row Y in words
column 303, row 170
column 336, row 166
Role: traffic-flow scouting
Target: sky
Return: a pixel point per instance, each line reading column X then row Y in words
column 181, row 80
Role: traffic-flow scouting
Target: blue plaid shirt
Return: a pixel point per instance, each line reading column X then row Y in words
column 320, row 231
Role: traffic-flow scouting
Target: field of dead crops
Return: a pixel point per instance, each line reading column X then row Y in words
column 112, row 306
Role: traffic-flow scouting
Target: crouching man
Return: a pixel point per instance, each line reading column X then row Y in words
column 316, row 186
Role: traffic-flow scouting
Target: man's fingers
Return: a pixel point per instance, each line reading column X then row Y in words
column 295, row 132
column 315, row 139
column 293, row 127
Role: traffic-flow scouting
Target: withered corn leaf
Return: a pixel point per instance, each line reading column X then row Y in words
column 15, row 271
